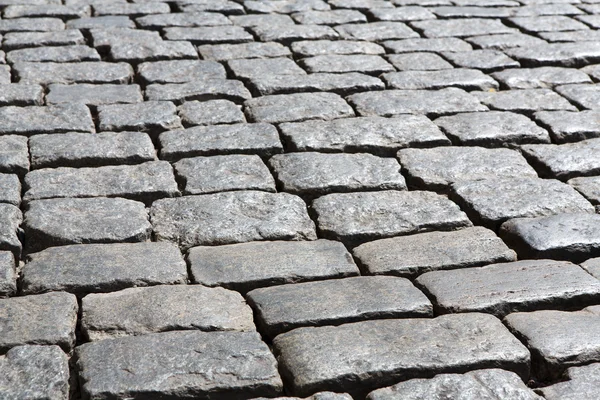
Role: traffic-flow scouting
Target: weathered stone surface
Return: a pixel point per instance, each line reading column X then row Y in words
column 492, row 201
column 285, row 6
column 59, row 54
column 82, row 72
column 542, row 77
column 93, row 95
column 185, row 19
column 153, row 50
column 418, row 62
column 316, row 173
column 316, row 396
column 401, row 14
column 248, row 266
column 15, row 94
column 8, row 275
column 139, row 311
column 471, row 11
column 14, row 156
column 255, row 67
column 10, row 219
column 382, row 136
column 150, row 116
column 415, row 254
column 261, row 139
column 31, row 25
column 131, row 9
column 505, row 41
column 89, row 268
column 309, row 48
column 557, row 339
column 104, row 39
column 547, row 23
column 18, row 40
column 342, row 84
column 393, row 102
column 221, row 365
column 485, row 60
column 376, row 31
column 582, row 384
column 180, row 71
column 500, row 289
column 92, row 220
column 208, row 35
column 438, row 168
column 249, row 20
column 462, row 78
column 202, row 90
column 287, row 33
column 583, row 96
column 489, row 384
column 34, row 372
column 429, row 45
column 86, row 150
column 5, row 74
column 210, row 112
column 332, row 302
column 524, row 101
column 220, row 6
column 365, row 63
column 584, row 35
column 41, row 319
column 10, row 189
column 565, row 161
column 104, row 22
column 461, row 27
column 589, row 187
column 386, row 351
column 566, row 126
column 231, row 217
column 49, row 119
column 333, row 17
column 358, row 217
column 557, row 54
column 223, row 52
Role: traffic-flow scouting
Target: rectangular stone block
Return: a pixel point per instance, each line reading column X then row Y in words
column 15, row 94
column 208, row 35
column 58, row 54
column 225, row 52
column 210, row 89
column 525, row 101
column 309, row 48
column 341, row 63
column 589, row 187
column 467, row 79
column 342, row 84
column 461, row 27
column 8, row 274
column 211, row 112
column 150, row 116
column 81, row 72
column 567, row 126
column 578, row 54
column 434, row 45
column 14, row 154
column 180, row 71
column 45, row 119
column 542, row 77
column 183, row 19
column 10, row 189
column 10, row 220
column 565, row 161
column 288, row 33
column 18, row 40
column 93, row 95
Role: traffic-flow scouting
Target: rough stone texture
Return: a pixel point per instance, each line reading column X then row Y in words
column 92, row 220
column 358, row 217
column 418, row 62
column 485, row 60
column 8, row 275
column 492, row 201
column 15, row 94
column 218, row 365
column 311, row 48
column 139, row 311
column 438, row 168
column 332, row 302
column 204, row 175
column 104, row 22
column 10, row 219
column 376, row 31
column 316, row 173
column 461, row 27
column 85, row 150
column 557, row 340
column 231, row 217
column 224, row 52
column 207, row 35
column 427, row 45
column 505, row 41
column 34, row 372
column 582, row 384
column 89, row 268
column 566, row 126
column 14, row 156
column 247, row 266
column 39, row 319
column 49, row 119
column 152, row 50
column 10, row 189
column 210, row 113
column 542, row 77
column 188, row 19
column 500, row 289
column 93, row 95
column 488, row 384
column 333, row 17
column 413, row 255
column 250, row 68
column 557, row 54
column 565, row 161
column 583, row 96
column 467, row 79
column 104, row 39
column 382, row 136
column 202, row 90
column 18, row 40
column 180, row 71
column 81, row 72
column 149, row 116
column 290, row 33
column 316, row 396
column 368, row 64
column 589, row 187
column 58, row 54
column 342, row 84
column 386, row 351
column 525, row 101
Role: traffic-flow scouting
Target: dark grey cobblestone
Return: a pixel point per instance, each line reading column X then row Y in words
column 10, row 189
column 8, row 274
column 180, row 71
column 52, row 119
column 14, row 156
column 93, row 95
column 581, row 384
column 224, row 52
column 211, row 112
column 15, row 94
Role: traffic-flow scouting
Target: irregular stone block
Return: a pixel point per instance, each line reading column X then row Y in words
column 376, row 31
column 462, row 27
column 583, row 96
column 14, row 155
column 309, row 48
column 418, row 62
column 248, row 266
column 401, row 14
column 524, row 101
column 186, row 19
column 152, row 50
column 180, row 71
column 589, row 187
column 332, row 302
column 10, row 189
column 505, row 41
column 208, row 35
column 565, row 161
column 582, row 383
column 467, row 79
column 342, row 84
column 88, row 268
column 333, row 17
column 557, row 54
column 542, row 77
column 285, row 6
column 413, row 255
column 19, row 40
column 434, row 45
column 484, row 60
column 566, row 126
column 288, row 33
column 105, row 39
column 15, row 94
column 202, row 90
column 82, row 72
column 365, row 63
column 225, row 7
column 8, row 274
column 59, row 54
column 45, row 119
column 10, row 219
column 93, row 95
column 210, row 112
column 150, row 116
column 224, row 52
column 41, row 319
column 255, row 67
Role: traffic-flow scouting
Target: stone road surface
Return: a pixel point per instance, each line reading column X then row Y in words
column 318, row 199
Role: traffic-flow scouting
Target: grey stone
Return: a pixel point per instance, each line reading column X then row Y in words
column 592, row 70
column 438, row 168
column 461, row 27
column 376, row 31
column 50, row 319
column 386, row 351
column 543, row 77
column 418, row 62
column 86, row 150
column 524, row 101
column 180, row 71
column 552, row 8
column 16, row 94
column 139, row 311
column 202, row 90
column 314, row 174
column 342, row 84
column 401, row 14
column 288, row 33
column 491, row 129
column 88, row 268
column 358, row 217
column 471, row 12
column 10, row 219
column 565, row 161
column 547, row 23
column 250, row 20
column 93, row 95
column 485, row 384
column 297, row 107
column 468, row 79
column 218, row 365
column 10, row 189
column 500, row 289
column 582, row 384
column 368, row 64
column 316, row 396
column 34, row 372
column 46, row 10
column 130, row 9
column 220, row 6
column 332, row 17
column 332, row 302
column 210, row 112
column 566, row 126
column 248, row 266
column 492, row 201
column 592, row 266
column 209, row 34
column 152, row 50
column 110, row 21
column 583, row 96
column 104, row 39
column 251, row 68
column 91, row 220
column 557, row 54
column 48, row 119
column 261, row 139
column 143, row 182
column 19, row 40
column 362, row 5
column 186, row 19
column 150, row 116
column 431, row 45
column 433, row 103
column 557, row 340
column 59, row 54
column 381, row 136
column 586, row 35
column 285, row 6
column 5, row 74
column 412, row 255
column 8, row 274
column 204, row 175
column 31, row 25
column 589, row 187
column 309, row 48
column 231, row 217
column 224, row 52
column 505, row 41
column 82, row 72
column 14, row 155
column 484, row 60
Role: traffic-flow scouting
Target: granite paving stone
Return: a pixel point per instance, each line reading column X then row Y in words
column 221, row 365
column 209, row 34
column 461, row 27
column 309, row 48
column 467, row 79
column 188, row 19
column 581, row 384
column 82, row 72
column 119, row 21
column 14, row 155
column 401, row 14
column 586, row 35
column 365, row 63
column 224, row 7
column 376, row 31
column 224, row 52
column 150, row 116
column 592, row 266
column 524, row 101
column 144, row 310
column 332, row 302
column 505, row 41
column 361, row 4
column 130, row 9
column 592, row 70
column 547, row 23
column 10, row 219
column 418, row 62
column 5, row 74
column 566, row 126
column 48, row 10
column 385, row 351
column 92, row 268
column 8, row 274
column 285, row 6
column 247, row 266
column 31, row 25
column 557, row 54
column 485, row 60
column 588, row 186
column 250, row 68
column 249, row 20
column 50, row 320
column 58, row 54
column 180, row 71
column 333, row 17
column 152, row 50
column 93, row 95
column 10, row 189
column 434, row 45
column 34, row 372
column 583, row 96
column 564, row 161
column 471, row 12
column 202, row 90
column 16, row 94
column 19, row 40
column 339, row 83
column 408, row 256
column 51, row 119
column 287, row 33
column 211, row 112
column 542, row 77
column 104, row 39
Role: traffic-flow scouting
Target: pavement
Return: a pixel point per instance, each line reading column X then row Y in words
column 319, row 199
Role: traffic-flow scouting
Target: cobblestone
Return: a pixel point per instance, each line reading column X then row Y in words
column 14, row 94
column 542, row 77
column 180, row 71
column 340, row 83
column 83, row 72
column 150, row 116
column 580, row 385
column 525, row 101
column 51, row 119
column 93, row 95
column 10, row 218
column 18, row 40
column 210, row 112
column 224, row 52
column 565, row 161
column 566, row 126
column 14, row 156
column 10, row 189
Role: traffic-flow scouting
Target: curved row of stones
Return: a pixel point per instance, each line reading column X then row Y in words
column 336, row 199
